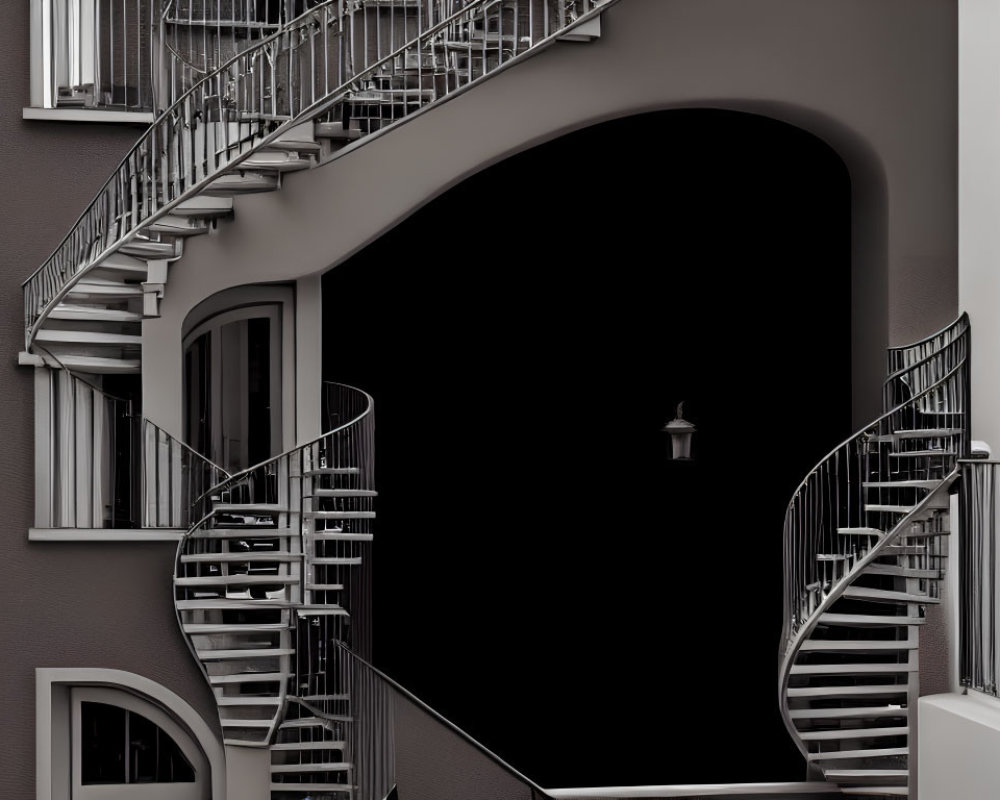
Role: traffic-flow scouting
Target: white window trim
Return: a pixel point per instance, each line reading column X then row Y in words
column 52, row 724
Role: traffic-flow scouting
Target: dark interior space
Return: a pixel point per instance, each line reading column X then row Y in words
column 545, row 576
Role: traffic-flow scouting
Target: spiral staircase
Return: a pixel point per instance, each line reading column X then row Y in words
column 864, row 556
column 268, row 583
column 323, row 84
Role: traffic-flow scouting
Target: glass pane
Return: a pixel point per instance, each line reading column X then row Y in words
column 153, row 756
column 102, row 744
column 259, row 388
column 197, row 406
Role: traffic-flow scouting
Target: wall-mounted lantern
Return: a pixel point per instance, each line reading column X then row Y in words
column 680, row 431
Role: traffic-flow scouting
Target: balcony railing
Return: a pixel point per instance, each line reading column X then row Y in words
column 978, row 593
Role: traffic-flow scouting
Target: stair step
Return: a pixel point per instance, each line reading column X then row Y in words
column 252, row 532
column 249, row 508
column 144, row 248
column 908, row 484
column 904, row 572
column 324, row 587
column 275, row 159
column 99, row 290
column 850, row 645
column 832, row 557
column 239, row 558
column 346, row 561
column 340, row 536
column 248, row 677
column 895, row 791
column 886, row 596
column 860, row 532
column 331, row 745
column 314, row 722
column 209, row 604
column 864, row 775
column 229, row 655
column 325, row 788
column 78, row 313
column 331, row 471
column 904, row 550
column 338, row 514
column 921, row 534
column 880, row 690
column 343, row 493
column 236, row 580
column 326, row 766
column 845, row 713
column 121, row 267
column 204, row 207
column 867, row 620
column 853, row 733
column 928, row 433
column 336, row 130
column 177, row 225
column 851, row 669
column 243, row 183
column 52, row 336
column 328, row 610
column 839, row 755
column 875, row 508
column 248, row 701
column 245, row 723
column 205, row 628
column 302, row 147
column 922, row 453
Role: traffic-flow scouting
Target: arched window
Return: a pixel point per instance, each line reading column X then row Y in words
column 126, row 747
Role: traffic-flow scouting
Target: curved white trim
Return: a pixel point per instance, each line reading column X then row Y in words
column 46, row 681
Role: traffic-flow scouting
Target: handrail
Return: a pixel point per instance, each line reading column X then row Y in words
column 237, row 476
column 929, row 356
column 930, row 337
column 178, row 156
column 359, row 660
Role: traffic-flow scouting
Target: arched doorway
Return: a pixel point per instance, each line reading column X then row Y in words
column 586, row 592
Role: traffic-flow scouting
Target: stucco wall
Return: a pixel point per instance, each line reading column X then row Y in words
column 876, row 81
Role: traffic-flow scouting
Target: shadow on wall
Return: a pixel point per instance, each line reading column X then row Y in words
column 545, row 576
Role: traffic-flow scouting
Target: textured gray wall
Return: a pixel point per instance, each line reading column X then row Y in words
column 63, row 605
column 875, row 80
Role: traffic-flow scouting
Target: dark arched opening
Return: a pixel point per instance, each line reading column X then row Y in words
column 545, row 576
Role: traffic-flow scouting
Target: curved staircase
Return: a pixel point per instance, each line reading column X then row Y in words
column 321, row 85
column 268, row 582
column 863, row 557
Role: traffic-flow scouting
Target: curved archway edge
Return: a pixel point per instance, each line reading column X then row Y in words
column 826, row 68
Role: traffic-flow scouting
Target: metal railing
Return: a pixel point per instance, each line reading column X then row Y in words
column 92, row 442
column 322, row 65
column 174, row 478
column 387, row 715
column 978, row 592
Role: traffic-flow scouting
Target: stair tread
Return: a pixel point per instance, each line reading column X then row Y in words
column 845, row 713
column 236, row 580
column 229, row 722
column 340, row 536
column 837, row 755
column 338, row 514
column 921, row 453
column 256, row 652
column 847, row 691
column 906, row 572
column 331, row 471
column 342, row 493
column 326, row 766
column 237, row 557
column 900, row 791
column 204, row 628
column 868, row 619
column 75, row 312
column 851, row 669
column 888, row 508
column 931, row 433
column 331, row 745
column 87, row 337
column 903, row 484
column 853, row 733
column 839, row 774
column 248, row 677
column 862, row 531
column 844, row 645
column 250, row 508
column 886, row 595
column 100, row 364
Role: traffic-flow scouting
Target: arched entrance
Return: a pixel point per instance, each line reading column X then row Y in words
column 521, row 377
